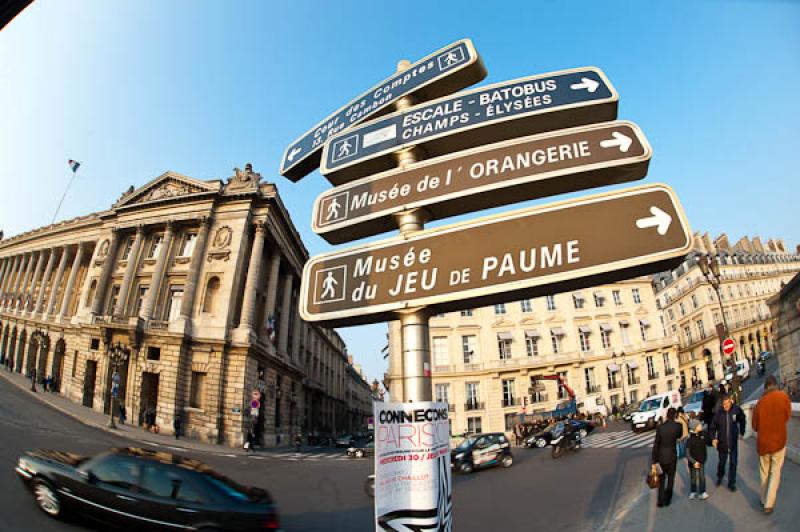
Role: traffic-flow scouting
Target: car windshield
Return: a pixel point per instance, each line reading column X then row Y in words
column 466, row 443
column 649, row 404
column 696, row 397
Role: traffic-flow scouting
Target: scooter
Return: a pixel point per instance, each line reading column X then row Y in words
column 562, row 442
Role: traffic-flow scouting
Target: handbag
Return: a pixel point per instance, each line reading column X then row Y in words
column 654, row 477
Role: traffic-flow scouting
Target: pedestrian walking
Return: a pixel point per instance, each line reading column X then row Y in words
column 727, row 427
column 177, row 425
column 696, row 455
column 123, row 414
column 683, row 420
column 770, row 417
column 298, row 441
column 709, row 400
column 665, row 454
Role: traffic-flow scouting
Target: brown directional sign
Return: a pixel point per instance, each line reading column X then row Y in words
column 502, row 111
column 485, row 177
column 443, row 72
column 527, row 253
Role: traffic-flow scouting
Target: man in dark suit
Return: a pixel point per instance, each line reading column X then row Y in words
column 727, row 426
column 665, row 454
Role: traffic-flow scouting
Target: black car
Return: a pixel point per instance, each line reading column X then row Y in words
column 360, row 451
column 544, row 437
column 482, row 450
column 138, row 488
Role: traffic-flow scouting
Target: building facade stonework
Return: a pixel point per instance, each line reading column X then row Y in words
column 200, row 281
column 751, row 273
column 785, row 306
column 607, row 342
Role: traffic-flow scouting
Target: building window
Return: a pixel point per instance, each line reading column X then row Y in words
column 504, row 348
column 617, row 297
column 644, row 325
column 466, row 313
column 500, row 308
column 710, row 295
column 112, row 300
column 615, row 400
column 671, row 315
column 94, row 344
column 174, row 302
column 701, row 330
column 653, row 389
column 140, row 295
column 474, row 425
column 599, row 299
column 442, row 393
column 532, row 345
column 210, row 298
column 631, row 373
column 155, row 246
column 562, row 391
column 526, row 306
column 90, row 294
column 623, row 329
column 577, row 300
column 583, row 335
column 469, row 345
column 663, row 325
column 694, row 301
column 472, row 393
column 588, row 375
column 153, row 353
column 651, row 369
column 613, row 381
column 555, row 340
column 636, row 297
column 551, row 302
column 198, row 389
column 667, row 365
column 126, row 249
column 187, row 247
column 669, row 385
column 605, row 338
column 440, row 355
column 683, row 309
column 634, row 396
column 508, row 392
column 688, row 332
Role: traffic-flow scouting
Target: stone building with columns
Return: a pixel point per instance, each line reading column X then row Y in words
column 198, row 281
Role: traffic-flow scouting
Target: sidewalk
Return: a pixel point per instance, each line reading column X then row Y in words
column 723, row 510
column 138, row 435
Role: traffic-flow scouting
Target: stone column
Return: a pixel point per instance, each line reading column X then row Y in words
column 253, row 273
column 14, row 283
column 62, row 267
column 4, row 271
column 105, row 274
column 73, row 276
column 7, row 280
column 20, row 290
column 130, row 272
column 28, row 296
column 158, row 274
column 286, row 310
column 190, row 289
column 48, row 271
column 297, row 335
column 272, row 283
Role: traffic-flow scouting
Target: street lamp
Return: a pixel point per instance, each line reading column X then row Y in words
column 40, row 337
column 614, row 356
column 117, row 355
column 709, row 265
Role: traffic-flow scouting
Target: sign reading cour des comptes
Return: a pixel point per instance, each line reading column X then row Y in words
column 484, row 177
column 562, row 246
column 464, row 120
column 443, row 72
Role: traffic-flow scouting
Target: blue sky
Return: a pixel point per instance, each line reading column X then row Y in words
column 132, row 89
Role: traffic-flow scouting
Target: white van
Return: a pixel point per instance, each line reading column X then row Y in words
column 653, row 410
column 742, row 369
column 593, row 406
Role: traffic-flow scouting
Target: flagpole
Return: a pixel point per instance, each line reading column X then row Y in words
column 74, row 175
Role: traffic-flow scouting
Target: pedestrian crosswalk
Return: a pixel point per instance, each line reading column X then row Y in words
column 301, row 457
column 619, row 440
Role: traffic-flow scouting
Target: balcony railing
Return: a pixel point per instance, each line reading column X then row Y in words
column 514, row 401
column 159, row 324
column 669, row 371
column 539, row 397
column 652, row 376
column 473, row 405
column 615, row 385
column 593, row 389
column 634, row 381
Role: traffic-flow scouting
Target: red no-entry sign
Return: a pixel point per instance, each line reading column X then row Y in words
column 728, row 346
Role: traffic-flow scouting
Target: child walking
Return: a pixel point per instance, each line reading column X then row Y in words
column 696, row 457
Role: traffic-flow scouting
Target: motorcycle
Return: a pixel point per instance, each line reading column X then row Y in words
column 760, row 369
column 563, row 442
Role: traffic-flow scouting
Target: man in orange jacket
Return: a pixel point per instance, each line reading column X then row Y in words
column 770, row 417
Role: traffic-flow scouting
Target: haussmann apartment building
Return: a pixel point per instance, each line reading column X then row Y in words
column 197, row 281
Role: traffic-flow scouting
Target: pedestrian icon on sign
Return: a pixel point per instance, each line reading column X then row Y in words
column 347, row 147
column 330, row 285
column 333, row 208
column 451, row 58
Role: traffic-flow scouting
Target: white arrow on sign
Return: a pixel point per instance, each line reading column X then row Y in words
column 586, row 83
column 660, row 220
column 293, row 153
column 623, row 142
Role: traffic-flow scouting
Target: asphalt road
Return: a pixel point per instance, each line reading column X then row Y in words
column 577, row 492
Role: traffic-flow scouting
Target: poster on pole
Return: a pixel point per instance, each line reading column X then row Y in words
column 413, row 482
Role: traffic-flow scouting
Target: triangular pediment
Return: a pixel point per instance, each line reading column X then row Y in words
column 502, row 322
column 166, row 186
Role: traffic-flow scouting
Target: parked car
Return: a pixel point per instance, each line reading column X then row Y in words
column 544, row 437
column 764, row 356
column 482, row 450
column 345, row 440
column 368, row 449
column 138, row 488
column 627, row 412
column 694, row 404
column 653, row 410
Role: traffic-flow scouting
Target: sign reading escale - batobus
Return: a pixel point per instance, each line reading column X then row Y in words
column 484, row 177
column 502, row 111
column 527, row 253
column 443, row 72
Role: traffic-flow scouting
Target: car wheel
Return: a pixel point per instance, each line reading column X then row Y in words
column 46, row 498
column 540, row 443
column 359, row 454
column 465, row 468
column 507, row 461
column 651, row 423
